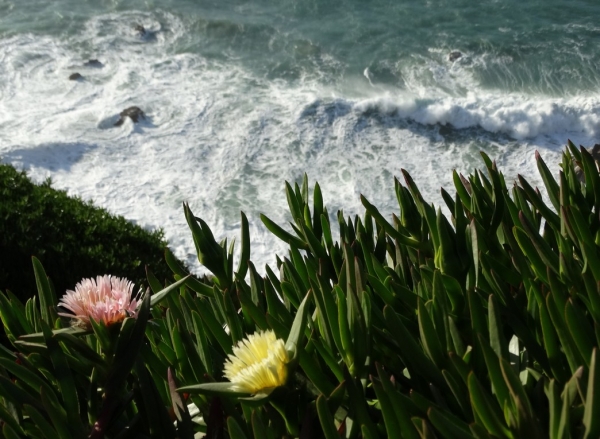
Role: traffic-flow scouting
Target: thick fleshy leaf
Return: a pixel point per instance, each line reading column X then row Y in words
column 486, row 410
column 57, row 333
column 449, row 426
column 592, row 178
column 568, row 396
column 45, row 293
column 326, row 419
column 549, row 181
column 461, row 189
column 392, row 426
column 192, row 283
column 568, row 345
column 580, row 330
column 460, row 392
column 34, row 381
column 155, row 299
column 128, row 344
column 555, row 407
column 10, row 423
column 219, row 389
column 41, row 422
column 314, row 372
column 527, row 425
column 499, row 386
column 401, row 405
column 12, row 326
column 245, row 252
column 411, row 351
column 296, row 334
column 235, row 431
column 591, row 420
column 394, row 233
column 215, row 328
column 429, row 337
column 14, row 394
column 544, row 250
column 424, row 428
column 534, row 259
column 497, row 339
column 347, row 350
column 358, row 404
column 328, row 356
column 65, row 380
column 282, row 234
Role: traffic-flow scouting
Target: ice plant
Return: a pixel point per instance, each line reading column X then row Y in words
column 258, row 363
column 107, row 299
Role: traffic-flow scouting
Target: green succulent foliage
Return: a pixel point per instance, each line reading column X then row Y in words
column 65, row 382
column 484, row 324
column 481, row 325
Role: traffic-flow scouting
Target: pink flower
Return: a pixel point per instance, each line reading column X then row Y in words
column 107, row 299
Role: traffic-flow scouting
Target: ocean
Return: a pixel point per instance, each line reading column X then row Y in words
column 241, row 96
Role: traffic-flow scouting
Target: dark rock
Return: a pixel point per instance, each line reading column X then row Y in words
column 134, row 113
column 453, row 56
column 75, row 76
column 445, row 130
column 141, row 31
column 93, row 63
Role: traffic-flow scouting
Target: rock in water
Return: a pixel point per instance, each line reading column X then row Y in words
column 134, row 113
column 75, row 76
column 445, row 130
column 141, row 31
column 453, row 56
column 93, row 63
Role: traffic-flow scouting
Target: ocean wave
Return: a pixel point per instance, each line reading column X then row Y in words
column 518, row 116
column 224, row 137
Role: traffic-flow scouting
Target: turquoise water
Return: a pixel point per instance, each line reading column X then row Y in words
column 545, row 47
column 240, row 96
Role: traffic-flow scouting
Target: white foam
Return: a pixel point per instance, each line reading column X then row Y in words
column 225, row 140
column 519, row 116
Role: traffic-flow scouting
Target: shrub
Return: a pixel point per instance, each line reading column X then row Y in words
column 481, row 326
column 72, row 238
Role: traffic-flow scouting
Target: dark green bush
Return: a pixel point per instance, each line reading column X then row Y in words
column 71, row 237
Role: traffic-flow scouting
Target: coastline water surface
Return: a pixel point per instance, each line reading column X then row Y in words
column 241, row 96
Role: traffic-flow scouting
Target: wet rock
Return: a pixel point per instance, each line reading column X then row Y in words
column 93, row 63
column 595, row 153
column 140, row 30
column 134, row 113
column 454, row 55
column 445, row 130
column 75, row 76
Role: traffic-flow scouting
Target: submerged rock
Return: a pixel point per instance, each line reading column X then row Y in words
column 453, row 56
column 134, row 113
column 75, row 76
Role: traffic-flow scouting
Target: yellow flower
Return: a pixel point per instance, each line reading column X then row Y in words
column 258, row 363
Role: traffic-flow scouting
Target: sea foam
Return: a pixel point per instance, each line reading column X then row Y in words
column 224, row 138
